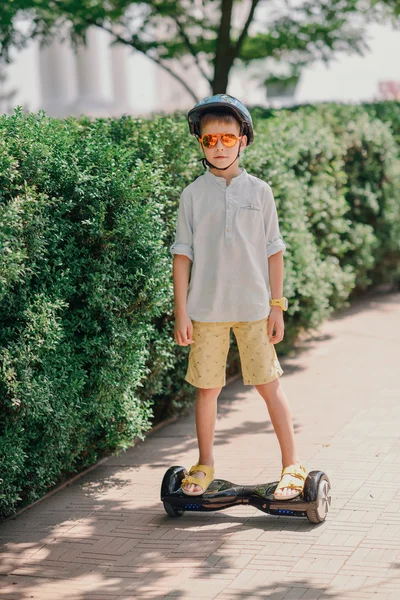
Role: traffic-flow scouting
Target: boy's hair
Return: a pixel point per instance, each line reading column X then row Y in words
column 217, row 114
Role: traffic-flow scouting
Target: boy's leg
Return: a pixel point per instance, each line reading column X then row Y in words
column 281, row 419
column 260, row 364
column 206, row 415
column 207, row 371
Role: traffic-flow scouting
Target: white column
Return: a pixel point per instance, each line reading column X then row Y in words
column 120, row 84
column 92, row 71
column 57, row 81
column 119, row 79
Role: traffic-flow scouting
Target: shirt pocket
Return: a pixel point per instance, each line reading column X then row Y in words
column 250, row 206
column 250, row 222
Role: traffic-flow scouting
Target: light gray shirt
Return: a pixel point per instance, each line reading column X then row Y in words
column 228, row 232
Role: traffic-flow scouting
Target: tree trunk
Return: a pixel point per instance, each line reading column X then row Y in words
column 225, row 53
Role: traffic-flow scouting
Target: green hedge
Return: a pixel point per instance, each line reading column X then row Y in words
column 88, row 209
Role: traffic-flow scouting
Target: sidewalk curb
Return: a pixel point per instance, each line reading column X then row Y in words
column 74, row 478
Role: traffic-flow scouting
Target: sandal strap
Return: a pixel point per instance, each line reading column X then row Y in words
column 295, row 478
column 291, row 484
column 196, row 480
column 295, row 471
column 203, row 482
column 208, row 471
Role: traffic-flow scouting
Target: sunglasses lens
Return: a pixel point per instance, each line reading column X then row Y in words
column 229, row 139
column 209, row 140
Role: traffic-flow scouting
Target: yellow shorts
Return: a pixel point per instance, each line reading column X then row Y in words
column 209, row 351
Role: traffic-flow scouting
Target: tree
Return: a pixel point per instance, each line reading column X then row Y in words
column 293, row 31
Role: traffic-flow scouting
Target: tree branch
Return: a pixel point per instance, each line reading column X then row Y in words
column 243, row 34
column 191, row 49
column 120, row 40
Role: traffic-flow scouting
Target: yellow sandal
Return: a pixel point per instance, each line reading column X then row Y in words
column 202, row 482
column 297, row 476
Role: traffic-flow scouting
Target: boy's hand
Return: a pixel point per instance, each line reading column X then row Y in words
column 183, row 330
column 275, row 320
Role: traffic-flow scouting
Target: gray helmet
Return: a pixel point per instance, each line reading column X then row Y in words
column 218, row 101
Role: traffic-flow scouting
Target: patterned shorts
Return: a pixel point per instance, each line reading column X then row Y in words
column 209, row 351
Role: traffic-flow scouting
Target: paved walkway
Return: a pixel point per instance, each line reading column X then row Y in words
column 107, row 536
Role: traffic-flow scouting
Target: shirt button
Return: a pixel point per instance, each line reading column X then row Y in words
column 228, row 229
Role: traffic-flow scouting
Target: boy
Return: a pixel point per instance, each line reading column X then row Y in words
column 228, row 241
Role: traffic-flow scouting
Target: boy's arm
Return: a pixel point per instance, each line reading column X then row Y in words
column 182, row 251
column 275, row 249
column 275, row 267
column 275, row 246
column 274, row 241
column 181, row 272
column 275, row 319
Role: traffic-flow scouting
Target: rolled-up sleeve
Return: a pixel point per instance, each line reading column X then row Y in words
column 184, row 229
column 274, row 241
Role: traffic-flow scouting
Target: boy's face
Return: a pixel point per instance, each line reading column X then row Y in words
column 220, row 154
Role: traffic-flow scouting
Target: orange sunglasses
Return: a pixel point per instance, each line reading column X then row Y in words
column 209, row 140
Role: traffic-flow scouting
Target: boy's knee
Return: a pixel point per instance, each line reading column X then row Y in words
column 211, row 392
column 265, row 388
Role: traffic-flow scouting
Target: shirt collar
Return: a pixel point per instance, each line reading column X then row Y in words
column 221, row 181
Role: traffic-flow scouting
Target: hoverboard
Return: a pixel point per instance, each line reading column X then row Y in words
column 313, row 502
